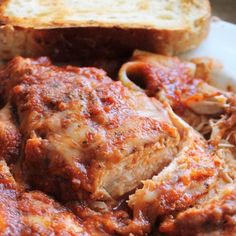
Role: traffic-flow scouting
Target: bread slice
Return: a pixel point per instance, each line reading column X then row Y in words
column 109, row 29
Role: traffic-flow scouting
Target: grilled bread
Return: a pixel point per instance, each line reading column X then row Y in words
column 109, row 29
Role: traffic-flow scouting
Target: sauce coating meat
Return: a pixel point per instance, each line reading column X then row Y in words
column 32, row 213
column 86, row 135
column 179, row 186
column 181, row 84
column 217, row 217
column 10, row 218
column 10, row 137
column 180, row 196
column 117, row 161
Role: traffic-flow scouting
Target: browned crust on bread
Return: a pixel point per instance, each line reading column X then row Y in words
column 91, row 39
column 60, row 22
column 96, row 42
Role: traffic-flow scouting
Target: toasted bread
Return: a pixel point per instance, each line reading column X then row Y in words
column 108, row 29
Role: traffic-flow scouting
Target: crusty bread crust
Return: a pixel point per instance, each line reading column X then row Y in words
column 90, row 39
column 83, row 43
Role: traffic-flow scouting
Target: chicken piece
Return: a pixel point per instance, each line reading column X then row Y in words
column 10, row 218
column 207, row 217
column 10, row 137
column 32, row 213
column 41, row 215
column 216, row 217
column 101, row 219
column 213, row 213
column 86, row 135
column 180, row 185
column 182, row 84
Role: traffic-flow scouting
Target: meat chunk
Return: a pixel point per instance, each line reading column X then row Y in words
column 101, row 220
column 86, row 135
column 10, row 217
column 41, row 215
column 216, row 217
column 10, row 137
column 81, row 135
column 180, row 185
column 198, row 207
column 33, row 212
column 182, row 84
column 213, row 213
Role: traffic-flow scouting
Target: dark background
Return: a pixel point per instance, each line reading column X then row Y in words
column 225, row 9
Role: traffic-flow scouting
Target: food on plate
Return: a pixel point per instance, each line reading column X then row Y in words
column 120, row 157
column 190, row 176
column 224, row 129
column 214, row 213
column 83, row 133
column 215, row 217
column 152, row 153
column 182, row 84
column 10, row 137
column 25, row 213
column 9, row 215
column 28, row 213
column 94, row 29
column 195, row 194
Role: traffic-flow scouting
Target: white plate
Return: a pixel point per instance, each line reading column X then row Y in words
column 220, row 45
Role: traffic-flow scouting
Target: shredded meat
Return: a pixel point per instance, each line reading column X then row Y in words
column 200, row 172
column 181, row 184
column 182, row 84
